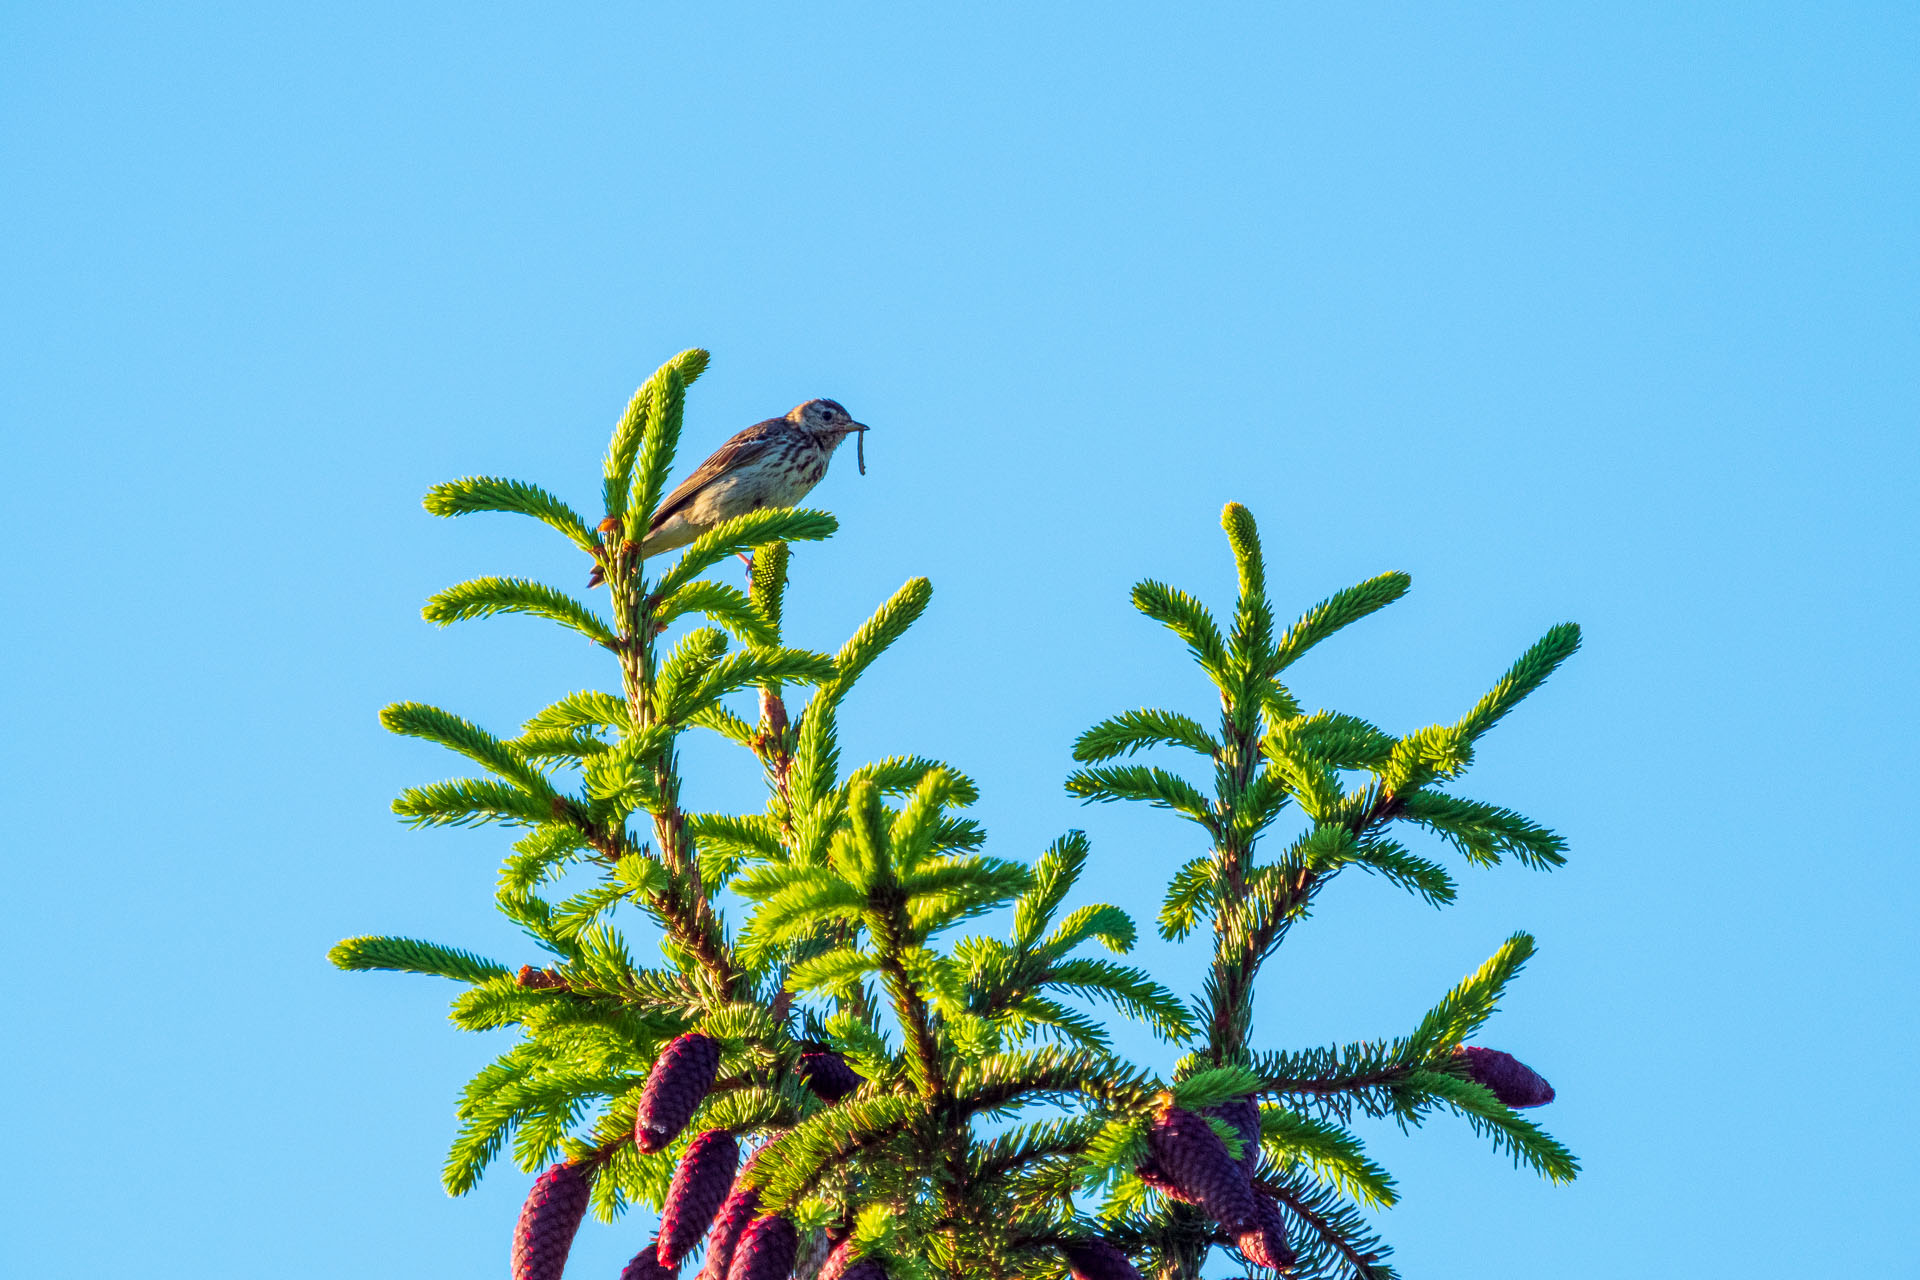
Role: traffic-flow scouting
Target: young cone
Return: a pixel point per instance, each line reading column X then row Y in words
column 646, row 1266
column 700, row 1184
column 1506, row 1077
column 548, row 1221
column 1098, row 1260
column 1264, row 1240
column 1156, row 1180
column 766, row 1251
column 828, row 1075
column 735, row 1216
column 1243, row 1113
column 681, row 1077
column 840, row 1265
column 1190, row 1155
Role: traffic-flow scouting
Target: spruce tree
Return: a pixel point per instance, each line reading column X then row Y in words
column 844, row 1082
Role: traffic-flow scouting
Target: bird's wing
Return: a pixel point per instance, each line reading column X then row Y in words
column 744, row 448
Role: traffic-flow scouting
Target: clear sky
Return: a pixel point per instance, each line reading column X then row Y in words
column 1591, row 311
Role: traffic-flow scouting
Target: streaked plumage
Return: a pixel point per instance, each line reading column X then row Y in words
column 770, row 464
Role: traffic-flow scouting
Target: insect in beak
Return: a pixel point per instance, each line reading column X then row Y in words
column 860, row 430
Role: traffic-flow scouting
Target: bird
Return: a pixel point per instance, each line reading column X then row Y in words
column 770, row 464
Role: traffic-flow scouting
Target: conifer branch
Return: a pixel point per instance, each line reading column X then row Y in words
column 491, row 493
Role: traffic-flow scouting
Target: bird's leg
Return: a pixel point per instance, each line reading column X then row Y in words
column 746, row 558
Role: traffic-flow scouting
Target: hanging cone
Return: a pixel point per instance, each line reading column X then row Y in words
column 828, row 1074
column 1156, row 1180
column 1098, row 1260
column 766, row 1251
column 1505, row 1076
column 646, row 1266
column 740, row 1209
column 1264, row 1240
column 840, row 1265
column 548, row 1221
column 681, row 1076
column 700, row 1184
column 1190, row 1155
column 835, row 1267
column 1243, row 1113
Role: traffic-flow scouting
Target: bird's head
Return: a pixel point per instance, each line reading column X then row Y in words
column 825, row 418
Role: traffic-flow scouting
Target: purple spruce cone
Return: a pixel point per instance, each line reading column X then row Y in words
column 1098, row 1260
column 1189, row 1154
column 548, row 1221
column 766, row 1251
column 1151, row 1174
column 700, row 1184
column 681, row 1077
column 841, row 1266
column 828, row 1074
column 741, row 1208
column 1506, row 1077
column 1264, row 1240
column 646, row 1266
column 1243, row 1113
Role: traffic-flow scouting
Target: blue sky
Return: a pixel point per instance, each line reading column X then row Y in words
column 1590, row 311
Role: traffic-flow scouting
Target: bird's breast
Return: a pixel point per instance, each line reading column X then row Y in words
column 779, row 478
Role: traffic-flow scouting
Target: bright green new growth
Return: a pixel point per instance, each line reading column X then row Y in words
column 996, row 1121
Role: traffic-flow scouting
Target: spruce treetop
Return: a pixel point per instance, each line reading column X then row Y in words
column 918, row 1094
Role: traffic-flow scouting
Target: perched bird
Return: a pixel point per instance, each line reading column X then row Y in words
column 770, row 464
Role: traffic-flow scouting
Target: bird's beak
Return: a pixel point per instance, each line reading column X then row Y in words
column 859, row 426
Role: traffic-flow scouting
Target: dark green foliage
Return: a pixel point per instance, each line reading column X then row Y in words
column 934, row 1099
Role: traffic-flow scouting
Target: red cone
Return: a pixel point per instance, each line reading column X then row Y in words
column 1264, row 1240
column 1098, row 1260
column 741, row 1208
column 1150, row 1173
column 700, row 1184
column 828, row 1075
column 1506, row 1077
column 681, row 1077
column 1190, row 1155
column 646, row 1266
column 1243, row 1113
column 766, row 1251
column 835, row 1267
column 548, row 1221
column 841, row 1266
